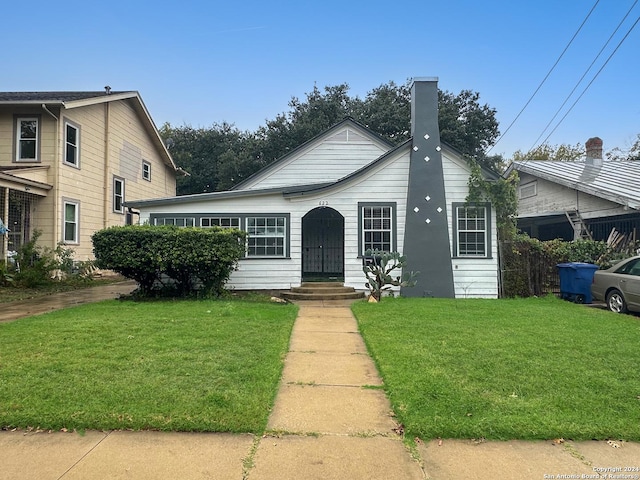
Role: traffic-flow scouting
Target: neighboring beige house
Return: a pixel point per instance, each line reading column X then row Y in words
column 69, row 161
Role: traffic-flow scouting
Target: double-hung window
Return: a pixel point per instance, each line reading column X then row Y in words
column 27, row 139
column 377, row 227
column 71, row 144
column 118, row 195
column 146, row 171
column 267, row 236
column 71, row 216
column 473, row 229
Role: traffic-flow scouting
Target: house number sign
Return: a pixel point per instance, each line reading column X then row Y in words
column 323, row 203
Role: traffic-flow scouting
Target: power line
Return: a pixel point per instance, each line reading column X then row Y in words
column 593, row 79
column 583, row 75
column 546, row 76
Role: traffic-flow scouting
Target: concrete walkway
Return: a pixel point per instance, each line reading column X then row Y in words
column 36, row 306
column 331, row 420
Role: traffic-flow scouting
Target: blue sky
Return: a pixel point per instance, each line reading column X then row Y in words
column 205, row 62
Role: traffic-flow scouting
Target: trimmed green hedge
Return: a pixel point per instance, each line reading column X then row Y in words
column 185, row 261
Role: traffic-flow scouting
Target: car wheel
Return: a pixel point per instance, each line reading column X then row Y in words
column 615, row 302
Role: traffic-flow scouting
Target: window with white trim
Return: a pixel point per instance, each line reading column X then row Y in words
column 70, row 227
column 118, row 195
column 27, row 139
column 472, row 229
column 376, row 227
column 71, row 145
column 177, row 221
column 224, row 222
column 146, row 170
column 266, row 236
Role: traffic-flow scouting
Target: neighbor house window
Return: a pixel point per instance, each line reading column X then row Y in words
column 377, row 227
column 224, row 222
column 70, row 227
column 528, row 190
column 118, row 195
column 472, row 230
column 71, row 144
column 27, row 139
column 177, row 221
column 146, row 171
column 266, row 236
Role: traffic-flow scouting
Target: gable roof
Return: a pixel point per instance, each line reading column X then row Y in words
column 52, row 97
column 69, row 100
column 616, row 181
column 18, row 183
column 348, row 121
column 286, row 191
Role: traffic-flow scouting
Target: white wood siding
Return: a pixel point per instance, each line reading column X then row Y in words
column 326, row 160
column 472, row 277
column 386, row 183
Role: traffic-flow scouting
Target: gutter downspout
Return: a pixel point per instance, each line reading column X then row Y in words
column 105, row 213
column 5, row 215
column 57, row 158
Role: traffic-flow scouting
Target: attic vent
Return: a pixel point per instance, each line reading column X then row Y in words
column 107, row 89
column 528, row 190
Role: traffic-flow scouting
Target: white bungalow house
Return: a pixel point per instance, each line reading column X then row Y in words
column 314, row 212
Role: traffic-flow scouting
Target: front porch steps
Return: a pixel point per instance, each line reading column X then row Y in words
column 322, row 291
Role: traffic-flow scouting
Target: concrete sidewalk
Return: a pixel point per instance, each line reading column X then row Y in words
column 331, row 420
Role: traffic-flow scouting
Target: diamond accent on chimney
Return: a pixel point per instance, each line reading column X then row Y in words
column 426, row 136
column 415, row 149
column 416, row 209
column 438, row 148
column 427, row 198
column 426, row 159
column 439, row 209
column 428, row 220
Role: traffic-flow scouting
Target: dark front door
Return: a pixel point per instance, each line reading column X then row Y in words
column 322, row 244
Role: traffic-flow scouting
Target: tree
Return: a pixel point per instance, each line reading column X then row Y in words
column 304, row 120
column 629, row 154
column 387, row 111
column 558, row 153
column 197, row 150
column 468, row 126
column 221, row 156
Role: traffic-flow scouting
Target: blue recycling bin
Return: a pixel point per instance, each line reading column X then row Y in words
column 575, row 281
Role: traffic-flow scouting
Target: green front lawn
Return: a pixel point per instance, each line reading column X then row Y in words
column 507, row 369
column 171, row 365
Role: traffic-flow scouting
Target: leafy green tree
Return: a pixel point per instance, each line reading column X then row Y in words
column 221, row 156
column 387, row 111
column 558, row 153
column 630, row 154
column 197, row 150
column 468, row 126
column 304, row 120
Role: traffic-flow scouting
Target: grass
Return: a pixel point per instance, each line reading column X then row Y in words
column 507, row 369
column 170, row 365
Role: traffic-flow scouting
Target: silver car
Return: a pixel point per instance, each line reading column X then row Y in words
column 619, row 286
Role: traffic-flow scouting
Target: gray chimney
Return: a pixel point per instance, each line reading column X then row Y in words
column 426, row 232
column 594, row 151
